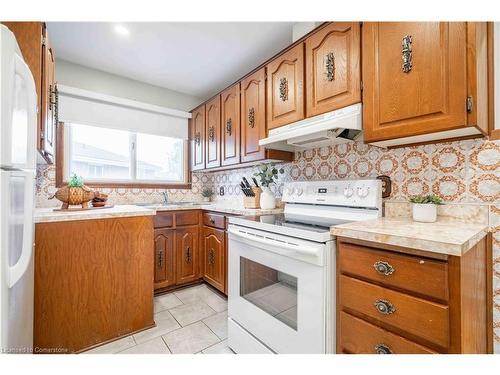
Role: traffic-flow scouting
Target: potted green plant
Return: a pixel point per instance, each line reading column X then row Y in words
column 424, row 207
column 207, row 194
column 268, row 174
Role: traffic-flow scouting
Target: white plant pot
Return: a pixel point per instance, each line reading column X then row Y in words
column 424, row 213
column 267, row 199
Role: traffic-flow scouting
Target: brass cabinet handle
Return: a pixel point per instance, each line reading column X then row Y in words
column 211, row 256
column 212, row 221
column 229, row 126
column 383, row 268
column 406, row 45
column 382, row 349
column 283, row 89
column 384, row 307
column 211, row 133
column 330, row 66
column 197, row 138
column 160, row 259
column 54, row 101
column 251, row 118
column 188, row 255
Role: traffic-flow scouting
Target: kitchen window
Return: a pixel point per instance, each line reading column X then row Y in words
column 117, row 142
column 101, row 155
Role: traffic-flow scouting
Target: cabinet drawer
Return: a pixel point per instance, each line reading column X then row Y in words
column 214, row 220
column 360, row 337
column 163, row 220
column 416, row 316
column 186, row 218
column 412, row 273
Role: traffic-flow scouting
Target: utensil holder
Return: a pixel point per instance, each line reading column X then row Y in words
column 253, row 202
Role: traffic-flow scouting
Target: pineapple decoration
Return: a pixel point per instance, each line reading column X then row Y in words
column 74, row 193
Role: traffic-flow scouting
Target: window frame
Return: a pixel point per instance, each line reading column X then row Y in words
column 62, row 156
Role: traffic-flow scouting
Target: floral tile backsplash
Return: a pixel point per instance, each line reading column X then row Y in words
column 464, row 171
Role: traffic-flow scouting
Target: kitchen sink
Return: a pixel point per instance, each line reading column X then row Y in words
column 169, row 204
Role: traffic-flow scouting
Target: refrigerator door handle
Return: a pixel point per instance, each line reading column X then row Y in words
column 17, row 270
column 24, row 72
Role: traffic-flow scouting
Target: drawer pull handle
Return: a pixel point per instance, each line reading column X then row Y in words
column 383, row 268
column 212, row 221
column 382, row 349
column 384, row 307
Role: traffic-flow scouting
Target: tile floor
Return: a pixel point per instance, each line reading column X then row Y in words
column 189, row 321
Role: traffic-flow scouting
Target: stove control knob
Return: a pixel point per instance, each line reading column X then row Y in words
column 300, row 191
column 348, row 192
column 363, row 192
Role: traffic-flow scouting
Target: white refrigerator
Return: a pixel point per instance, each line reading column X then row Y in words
column 18, row 123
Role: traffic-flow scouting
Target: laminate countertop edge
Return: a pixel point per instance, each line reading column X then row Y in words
column 439, row 237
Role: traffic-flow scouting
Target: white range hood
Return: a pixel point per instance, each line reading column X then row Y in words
column 339, row 126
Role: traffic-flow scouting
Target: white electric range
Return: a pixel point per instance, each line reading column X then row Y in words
column 282, row 267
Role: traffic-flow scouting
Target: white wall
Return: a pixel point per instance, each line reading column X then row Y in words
column 82, row 77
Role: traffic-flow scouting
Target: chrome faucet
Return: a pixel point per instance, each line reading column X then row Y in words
column 165, row 198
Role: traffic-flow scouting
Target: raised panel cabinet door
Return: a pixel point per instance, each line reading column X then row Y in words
column 186, row 247
column 213, row 257
column 230, row 133
column 285, row 89
column 253, row 116
column 164, row 258
column 333, row 68
column 198, row 138
column 49, row 101
column 212, row 131
column 414, row 78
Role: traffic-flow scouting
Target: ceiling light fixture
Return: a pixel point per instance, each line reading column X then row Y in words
column 121, row 30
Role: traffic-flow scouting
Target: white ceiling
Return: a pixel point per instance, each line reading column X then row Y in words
column 194, row 58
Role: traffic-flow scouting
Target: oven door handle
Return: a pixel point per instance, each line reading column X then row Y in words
column 269, row 241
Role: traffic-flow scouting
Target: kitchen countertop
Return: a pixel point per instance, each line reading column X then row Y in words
column 222, row 209
column 443, row 237
column 47, row 215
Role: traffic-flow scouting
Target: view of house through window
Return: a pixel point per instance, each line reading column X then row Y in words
column 112, row 155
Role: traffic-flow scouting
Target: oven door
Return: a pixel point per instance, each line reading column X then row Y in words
column 277, row 289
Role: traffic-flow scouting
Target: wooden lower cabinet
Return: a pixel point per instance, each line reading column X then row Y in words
column 186, row 251
column 93, row 282
column 213, row 261
column 398, row 300
column 190, row 246
column 164, row 258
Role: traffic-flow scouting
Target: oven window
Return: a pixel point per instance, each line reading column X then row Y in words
column 273, row 291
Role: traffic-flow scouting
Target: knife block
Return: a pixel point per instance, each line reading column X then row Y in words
column 253, row 202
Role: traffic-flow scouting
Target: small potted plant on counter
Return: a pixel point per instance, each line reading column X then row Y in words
column 207, row 194
column 424, row 207
column 268, row 173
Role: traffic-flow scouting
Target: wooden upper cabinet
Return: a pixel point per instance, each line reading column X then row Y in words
column 164, row 258
column 415, row 81
column 212, row 132
column 33, row 40
column 253, row 116
column 197, row 124
column 333, row 68
column 285, row 89
column 49, row 101
column 477, row 75
column 186, row 248
column 230, row 134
